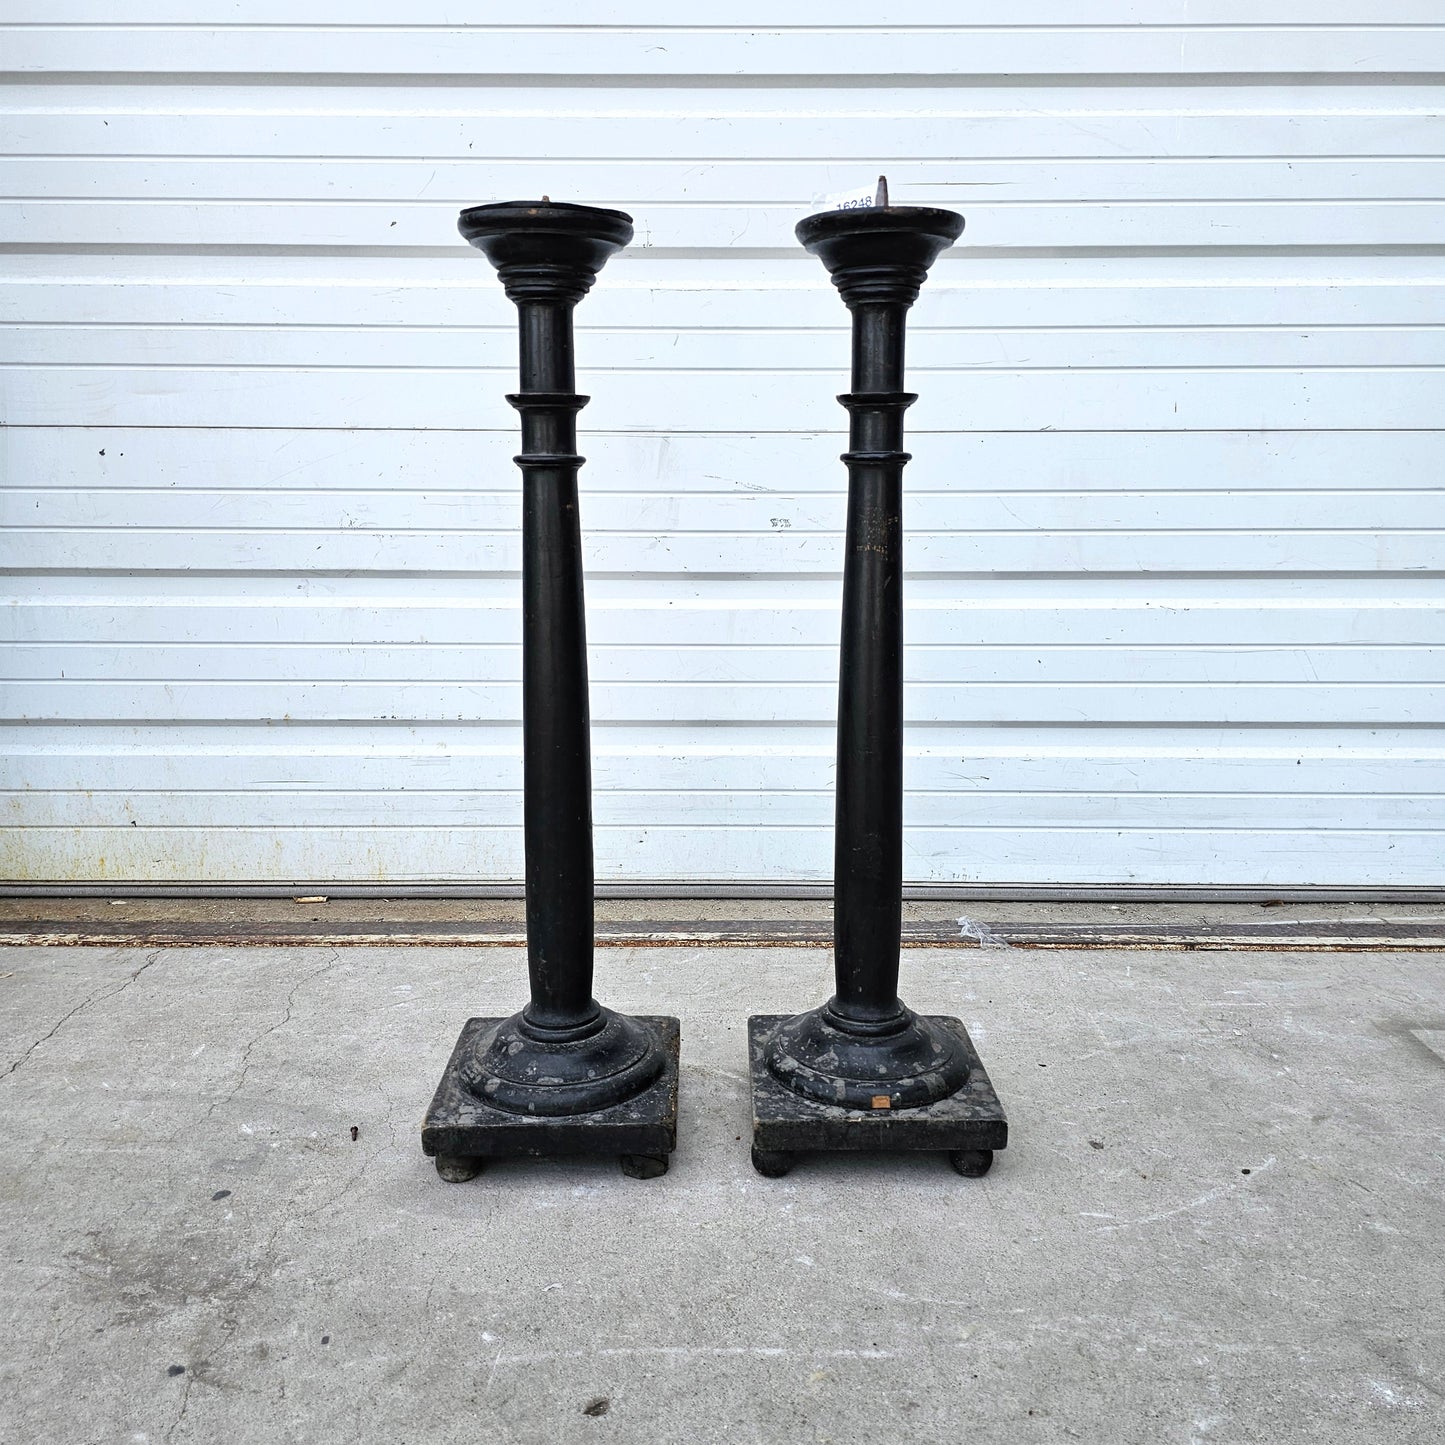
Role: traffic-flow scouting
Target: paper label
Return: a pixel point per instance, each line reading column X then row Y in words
column 862, row 199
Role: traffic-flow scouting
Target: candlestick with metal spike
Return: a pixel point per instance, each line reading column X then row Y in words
column 864, row 1072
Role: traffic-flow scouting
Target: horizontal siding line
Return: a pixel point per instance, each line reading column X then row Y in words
column 1023, row 754
column 961, row 493
column 622, row 118
column 802, row 594
column 1223, row 649
column 457, row 606
column 305, row 328
column 270, row 790
column 289, row 742
column 621, row 756
column 688, row 685
column 816, row 434
column 415, row 162
column 1404, row 108
column 1363, row 593
column 1130, row 827
column 730, row 203
column 1373, row 610
column 1414, row 693
column 461, row 285
column 461, row 252
column 1183, row 28
column 810, row 433
column 348, row 574
column 677, row 161
column 990, row 369
column 1112, row 827
column 279, row 726
column 826, row 680
column 728, row 80
column 440, row 328
column 802, row 533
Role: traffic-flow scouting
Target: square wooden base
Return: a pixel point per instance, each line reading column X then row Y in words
column 460, row 1127
column 785, row 1123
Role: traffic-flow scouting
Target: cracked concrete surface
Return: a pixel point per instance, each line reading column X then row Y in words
column 1219, row 1220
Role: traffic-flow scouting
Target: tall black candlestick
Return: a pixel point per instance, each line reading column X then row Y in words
column 565, row 1075
column 875, row 1075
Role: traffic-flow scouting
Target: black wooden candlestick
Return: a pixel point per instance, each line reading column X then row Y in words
column 863, row 1072
column 565, row 1076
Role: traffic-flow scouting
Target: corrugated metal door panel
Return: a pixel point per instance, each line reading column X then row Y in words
column 1174, row 517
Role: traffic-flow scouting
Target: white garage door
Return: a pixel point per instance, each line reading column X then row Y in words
column 1174, row 518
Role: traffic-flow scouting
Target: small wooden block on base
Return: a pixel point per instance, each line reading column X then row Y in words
column 967, row 1123
column 462, row 1132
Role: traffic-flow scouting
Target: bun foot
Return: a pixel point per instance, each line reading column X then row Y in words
column 773, row 1163
column 644, row 1166
column 972, row 1163
column 458, row 1168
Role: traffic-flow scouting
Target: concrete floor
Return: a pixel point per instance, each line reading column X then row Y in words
column 1219, row 1221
